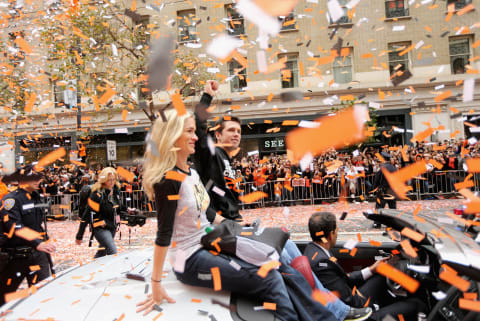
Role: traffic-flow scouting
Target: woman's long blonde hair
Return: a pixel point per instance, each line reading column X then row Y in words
column 103, row 177
column 163, row 136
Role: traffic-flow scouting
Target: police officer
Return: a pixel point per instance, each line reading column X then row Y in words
column 21, row 214
column 385, row 194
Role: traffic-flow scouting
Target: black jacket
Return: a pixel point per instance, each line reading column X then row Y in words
column 109, row 206
column 380, row 181
column 213, row 169
column 333, row 277
column 21, row 209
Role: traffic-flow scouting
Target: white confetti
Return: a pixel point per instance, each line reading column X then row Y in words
column 468, row 88
column 222, row 45
column 335, row 10
column 261, row 61
column 114, row 50
column 253, row 13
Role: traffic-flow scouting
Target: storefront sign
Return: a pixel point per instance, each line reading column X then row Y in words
column 111, row 150
column 275, row 143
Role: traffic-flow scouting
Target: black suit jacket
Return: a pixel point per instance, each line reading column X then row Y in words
column 334, row 277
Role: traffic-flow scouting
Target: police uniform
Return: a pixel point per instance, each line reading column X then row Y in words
column 20, row 211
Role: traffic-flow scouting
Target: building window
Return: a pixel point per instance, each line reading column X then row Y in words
column 345, row 18
column 65, row 92
column 459, row 4
column 289, row 22
column 289, row 74
column 342, row 66
column 187, row 30
column 238, row 76
column 235, row 21
column 396, row 61
column 395, row 8
column 459, row 54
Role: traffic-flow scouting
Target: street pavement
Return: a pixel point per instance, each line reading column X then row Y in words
column 294, row 218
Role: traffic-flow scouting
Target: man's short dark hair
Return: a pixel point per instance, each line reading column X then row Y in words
column 220, row 124
column 325, row 222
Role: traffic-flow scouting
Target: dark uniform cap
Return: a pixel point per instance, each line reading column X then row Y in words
column 385, row 155
column 23, row 174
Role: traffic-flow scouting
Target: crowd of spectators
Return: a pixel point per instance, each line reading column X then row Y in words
column 349, row 173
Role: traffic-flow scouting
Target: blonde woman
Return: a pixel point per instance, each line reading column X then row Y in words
column 182, row 221
column 103, row 212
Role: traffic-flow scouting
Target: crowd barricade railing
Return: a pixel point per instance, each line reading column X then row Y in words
column 299, row 191
column 246, row 188
column 439, row 183
column 137, row 199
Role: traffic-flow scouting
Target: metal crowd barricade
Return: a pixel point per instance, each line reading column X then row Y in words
column 137, row 199
column 298, row 191
column 247, row 188
column 440, row 183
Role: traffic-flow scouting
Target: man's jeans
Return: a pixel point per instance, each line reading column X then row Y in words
column 337, row 307
column 106, row 243
column 244, row 280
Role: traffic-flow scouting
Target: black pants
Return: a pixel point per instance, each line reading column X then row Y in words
column 18, row 269
column 375, row 288
column 385, row 199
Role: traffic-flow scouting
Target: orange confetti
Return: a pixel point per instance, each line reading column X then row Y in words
column 325, row 60
column 107, row 95
column 469, row 305
column 252, row 197
column 290, row 123
column 178, row 104
column 175, row 197
column 196, row 300
column 336, row 131
column 124, row 115
column 28, row 234
column 407, row 247
column 473, row 165
column 464, row 184
column 411, row 234
column 277, row 8
column 465, row 9
column 398, row 178
column 99, row 223
column 31, row 101
column 175, row 176
column 126, row 174
column 24, row 46
column 450, row 276
column 270, row 306
column 443, row 96
column 34, row 268
column 217, row 281
column 267, row 267
column 50, row 158
column 93, row 205
column 20, row 294
column 420, row 137
column 407, row 282
column 323, row 296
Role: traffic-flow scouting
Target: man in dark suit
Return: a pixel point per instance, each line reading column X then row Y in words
column 385, row 194
column 359, row 288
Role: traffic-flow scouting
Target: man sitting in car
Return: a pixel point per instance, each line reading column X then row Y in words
column 359, row 288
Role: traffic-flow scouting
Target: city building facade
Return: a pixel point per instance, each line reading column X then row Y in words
column 433, row 45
